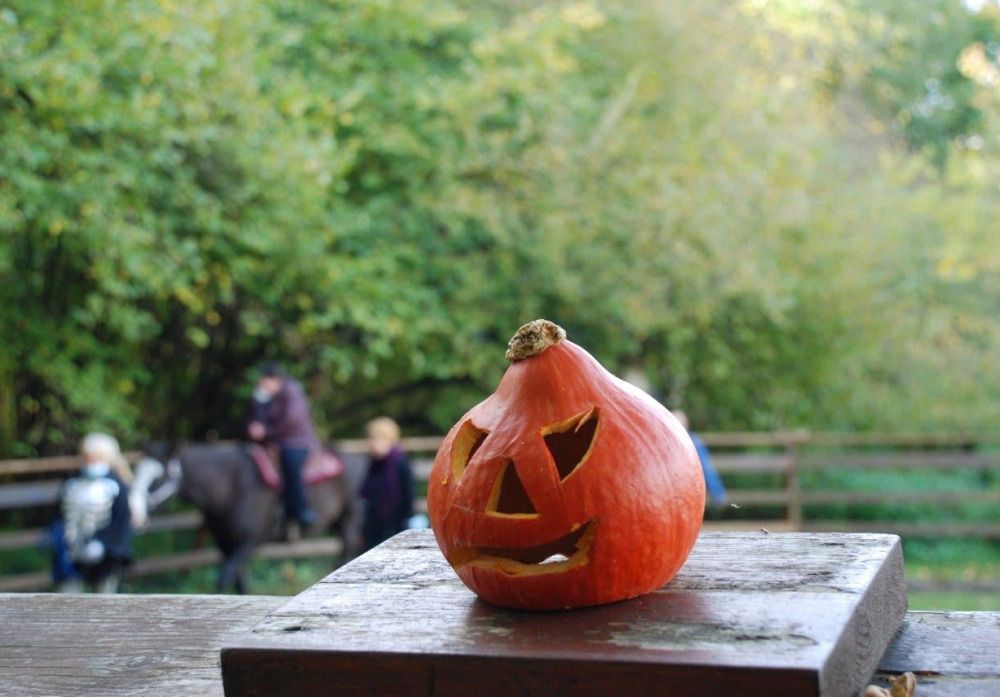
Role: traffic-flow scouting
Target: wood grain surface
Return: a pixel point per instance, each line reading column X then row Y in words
column 91, row 646
column 750, row 614
column 953, row 654
column 80, row 645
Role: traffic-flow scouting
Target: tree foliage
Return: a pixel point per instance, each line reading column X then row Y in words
column 782, row 217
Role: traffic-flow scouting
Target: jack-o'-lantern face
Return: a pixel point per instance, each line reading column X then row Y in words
column 569, row 443
column 566, row 487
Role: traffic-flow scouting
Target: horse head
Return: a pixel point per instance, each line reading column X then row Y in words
column 157, row 478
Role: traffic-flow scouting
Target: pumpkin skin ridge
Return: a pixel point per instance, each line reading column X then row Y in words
column 631, row 426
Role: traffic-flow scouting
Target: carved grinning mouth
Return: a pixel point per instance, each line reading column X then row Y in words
column 560, row 555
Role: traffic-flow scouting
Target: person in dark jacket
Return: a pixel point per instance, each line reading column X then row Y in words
column 280, row 417
column 92, row 531
column 388, row 487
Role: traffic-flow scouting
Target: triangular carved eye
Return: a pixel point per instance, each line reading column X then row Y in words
column 569, row 442
column 509, row 497
column 466, row 443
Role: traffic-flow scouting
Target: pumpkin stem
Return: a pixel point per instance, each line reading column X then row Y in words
column 533, row 338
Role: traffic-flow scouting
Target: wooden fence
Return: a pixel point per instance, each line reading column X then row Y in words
column 775, row 481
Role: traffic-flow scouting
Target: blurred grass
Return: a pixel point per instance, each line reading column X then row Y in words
column 953, row 600
column 972, row 562
column 265, row 577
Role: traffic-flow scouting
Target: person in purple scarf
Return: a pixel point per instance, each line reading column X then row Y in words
column 388, row 487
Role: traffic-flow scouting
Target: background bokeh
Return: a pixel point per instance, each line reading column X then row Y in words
column 784, row 214
column 776, row 214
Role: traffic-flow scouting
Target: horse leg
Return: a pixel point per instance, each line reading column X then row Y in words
column 234, row 568
column 351, row 525
column 241, row 581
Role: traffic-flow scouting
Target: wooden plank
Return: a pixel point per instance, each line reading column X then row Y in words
column 28, row 581
column 119, row 645
column 303, row 549
column 28, row 495
column 422, row 469
column 901, row 460
column 754, row 439
column 764, row 526
column 903, row 440
column 96, row 646
column 313, row 548
column 63, row 463
column 181, row 561
column 792, row 489
column 752, row 462
column 953, row 654
column 779, row 497
column 757, row 497
column 856, row 440
column 37, row 465
column 169, row 522
column 411, row 444
column 749, row 614
column 23, row 538
column 891, row 497
column 976, row 530
column 930, row 640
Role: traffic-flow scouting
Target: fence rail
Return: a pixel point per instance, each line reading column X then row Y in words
column 184, row 561
column 770, row 479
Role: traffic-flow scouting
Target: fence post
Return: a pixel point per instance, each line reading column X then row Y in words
column 793, row 490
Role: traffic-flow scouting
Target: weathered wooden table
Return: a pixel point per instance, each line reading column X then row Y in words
column 170, row 645
column 76, row 645
column 796, row 615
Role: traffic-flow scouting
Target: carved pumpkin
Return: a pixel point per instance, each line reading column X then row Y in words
column 567, row 486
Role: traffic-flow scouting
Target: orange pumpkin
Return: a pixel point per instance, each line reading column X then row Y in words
column 566, row 487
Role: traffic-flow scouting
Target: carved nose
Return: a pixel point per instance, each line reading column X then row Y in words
column 509, row 497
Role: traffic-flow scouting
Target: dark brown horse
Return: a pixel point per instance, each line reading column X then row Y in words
column 240, row 512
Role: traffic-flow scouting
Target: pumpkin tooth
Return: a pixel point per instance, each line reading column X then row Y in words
column 461, row 556
column 556, row 556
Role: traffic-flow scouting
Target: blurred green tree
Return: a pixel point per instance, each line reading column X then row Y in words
column 781, row 216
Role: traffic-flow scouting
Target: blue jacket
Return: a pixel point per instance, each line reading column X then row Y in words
column 713, row 482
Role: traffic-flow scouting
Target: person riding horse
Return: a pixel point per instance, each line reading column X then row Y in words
column 280, row 417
